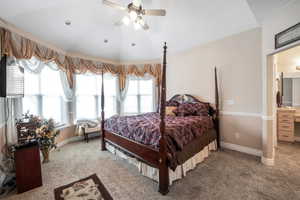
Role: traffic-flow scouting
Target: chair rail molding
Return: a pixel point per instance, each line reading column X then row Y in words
column 246, row 114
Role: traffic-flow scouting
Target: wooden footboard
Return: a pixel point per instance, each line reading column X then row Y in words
column 142, row 152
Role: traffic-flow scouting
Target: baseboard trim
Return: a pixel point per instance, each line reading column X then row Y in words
column 75, row 139
column 297, row 138
column 70, row 140
column 242, row 149
column 267, row 161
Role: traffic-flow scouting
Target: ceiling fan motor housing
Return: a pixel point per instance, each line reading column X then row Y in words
column 138, row 10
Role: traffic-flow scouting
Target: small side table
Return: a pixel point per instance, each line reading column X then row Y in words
column 28, row 167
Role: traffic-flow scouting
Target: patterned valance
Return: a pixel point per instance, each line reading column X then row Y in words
column 140, row 71
column 13, row 44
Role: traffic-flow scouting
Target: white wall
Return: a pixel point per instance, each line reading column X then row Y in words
column 238, row 59
column 1, row 112
column 280, row 20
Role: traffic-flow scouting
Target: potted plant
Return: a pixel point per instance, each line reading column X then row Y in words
column 45, row 135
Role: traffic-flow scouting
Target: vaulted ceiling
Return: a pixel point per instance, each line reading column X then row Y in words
column 187, row 24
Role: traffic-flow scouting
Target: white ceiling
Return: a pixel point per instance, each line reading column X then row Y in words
column 264, row 8
column 187, row 24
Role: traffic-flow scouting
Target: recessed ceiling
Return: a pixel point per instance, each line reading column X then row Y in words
column 187, row 24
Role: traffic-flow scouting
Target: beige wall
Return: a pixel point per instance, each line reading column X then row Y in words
column 66, row 133
column 238, row 59
column 242, row 130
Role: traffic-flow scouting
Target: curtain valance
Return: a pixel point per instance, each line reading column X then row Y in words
column 15, row 45
column 140, row 71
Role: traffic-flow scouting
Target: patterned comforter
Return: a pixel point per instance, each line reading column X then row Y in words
column 144, row 129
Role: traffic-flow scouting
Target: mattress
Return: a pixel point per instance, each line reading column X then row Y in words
column 181, row 132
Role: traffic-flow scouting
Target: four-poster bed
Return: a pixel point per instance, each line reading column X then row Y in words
column 168, row 150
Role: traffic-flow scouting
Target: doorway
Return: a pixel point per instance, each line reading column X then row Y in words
column 282, row 102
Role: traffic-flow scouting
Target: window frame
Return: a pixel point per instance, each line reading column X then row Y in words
column 40, row 99
column 97, row 98
column 139, row 95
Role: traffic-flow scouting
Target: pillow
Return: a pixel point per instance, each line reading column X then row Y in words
column 172, row 103
column 192, row 109
column 170, row 110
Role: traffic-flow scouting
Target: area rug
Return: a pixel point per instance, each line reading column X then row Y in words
column 89, row 188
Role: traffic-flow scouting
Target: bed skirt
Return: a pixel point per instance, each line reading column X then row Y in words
column 180, row 171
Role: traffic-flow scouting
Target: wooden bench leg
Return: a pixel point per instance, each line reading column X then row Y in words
column 84, row 134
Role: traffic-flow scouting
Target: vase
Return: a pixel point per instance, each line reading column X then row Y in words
column 45, row 153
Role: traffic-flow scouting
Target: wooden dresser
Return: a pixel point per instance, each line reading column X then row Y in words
column 285, row 124
column 28, row 167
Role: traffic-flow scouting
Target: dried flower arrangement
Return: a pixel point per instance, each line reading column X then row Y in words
column 43, row 131
column 45, row 136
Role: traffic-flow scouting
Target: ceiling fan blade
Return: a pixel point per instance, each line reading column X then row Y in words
column 114, row 5
column 155, row 12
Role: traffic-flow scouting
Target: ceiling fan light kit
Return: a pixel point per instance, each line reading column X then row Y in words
column 135, row 13
column 126, row 20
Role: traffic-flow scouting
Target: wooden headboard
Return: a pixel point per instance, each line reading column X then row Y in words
column 187, row 98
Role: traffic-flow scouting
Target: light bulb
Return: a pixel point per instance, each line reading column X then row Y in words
column 137, row 26
column 142, row 22
column 136, row 3
column 133, row 15
column 126, row 20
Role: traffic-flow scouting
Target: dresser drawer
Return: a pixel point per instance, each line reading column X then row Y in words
column 287, row 138
column 285, row 115
column 286, row 120
column 286, row 127
column 285, row 133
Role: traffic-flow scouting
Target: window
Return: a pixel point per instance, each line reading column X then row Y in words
column 88, row 96
column 43, row 94
column 140, row 96
column 31, row 93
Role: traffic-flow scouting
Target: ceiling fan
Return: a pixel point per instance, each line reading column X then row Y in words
column 135, row 13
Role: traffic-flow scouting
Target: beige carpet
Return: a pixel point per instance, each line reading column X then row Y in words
column 224, row 175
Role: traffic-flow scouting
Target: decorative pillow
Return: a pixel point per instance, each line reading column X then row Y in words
column 170, row 110
column 192, row 109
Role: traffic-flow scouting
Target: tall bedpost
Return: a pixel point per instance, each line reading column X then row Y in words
column 217, row 119
column 103, row 146
column 163, row 167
